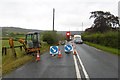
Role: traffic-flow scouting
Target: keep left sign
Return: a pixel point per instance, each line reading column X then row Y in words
column 68, row 48
column 53, row 49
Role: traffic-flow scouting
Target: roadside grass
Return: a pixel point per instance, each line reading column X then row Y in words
column 9, row 63
column 6, row 68
column 45, row 47
column 104, row 48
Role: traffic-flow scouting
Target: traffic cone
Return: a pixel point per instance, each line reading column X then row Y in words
column 74, row 52
column 59, row 54
column 38, row 57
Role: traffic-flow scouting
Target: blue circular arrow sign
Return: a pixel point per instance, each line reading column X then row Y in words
column 54, row 49
column 68, row 48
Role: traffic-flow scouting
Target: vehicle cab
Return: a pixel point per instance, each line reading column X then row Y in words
column 77, row 39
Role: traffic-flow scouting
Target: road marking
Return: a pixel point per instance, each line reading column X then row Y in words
column 83, row 68
column 76, row 68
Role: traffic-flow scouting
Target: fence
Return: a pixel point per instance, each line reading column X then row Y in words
column 4, row 49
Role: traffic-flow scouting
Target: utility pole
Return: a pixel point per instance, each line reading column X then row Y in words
column 53, row 17
column 82, row 26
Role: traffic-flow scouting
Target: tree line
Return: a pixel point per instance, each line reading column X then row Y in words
column 103, row 21
column 105, row 30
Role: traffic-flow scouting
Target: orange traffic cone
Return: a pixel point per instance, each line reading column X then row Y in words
column 59, row 54
column 74, row 49
column 38, row 57
column 74, row 52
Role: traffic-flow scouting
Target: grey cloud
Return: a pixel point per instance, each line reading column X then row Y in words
column 38, row 13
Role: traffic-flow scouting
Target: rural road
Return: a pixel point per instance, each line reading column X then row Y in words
column 96, row 63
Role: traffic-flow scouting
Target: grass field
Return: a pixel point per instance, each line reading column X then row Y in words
column 18, row 51
column 9, row 63
column 6, row 43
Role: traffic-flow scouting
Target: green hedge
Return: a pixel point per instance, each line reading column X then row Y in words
column 107, row 39
column 50, row 37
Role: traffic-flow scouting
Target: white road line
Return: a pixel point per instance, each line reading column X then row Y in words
column 83, row 68
column 76, row 68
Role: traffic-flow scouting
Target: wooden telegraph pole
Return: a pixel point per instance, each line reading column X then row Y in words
column 53, row 17
column 82, row 28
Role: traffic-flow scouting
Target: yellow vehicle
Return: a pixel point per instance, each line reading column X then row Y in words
column 31, row 44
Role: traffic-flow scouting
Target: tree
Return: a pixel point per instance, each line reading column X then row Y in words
column 104, row 21
column 50, row 37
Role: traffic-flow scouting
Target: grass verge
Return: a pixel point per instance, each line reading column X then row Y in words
column 15, row 64
column 104, row 48
column 45, row 47
column 9, row 64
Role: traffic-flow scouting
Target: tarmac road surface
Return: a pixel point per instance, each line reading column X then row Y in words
column 94, row 64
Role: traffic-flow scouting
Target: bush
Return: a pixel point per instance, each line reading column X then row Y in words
column 50, row 37
column 106, row 39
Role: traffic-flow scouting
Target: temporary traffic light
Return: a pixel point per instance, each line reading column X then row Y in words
column 68, row 33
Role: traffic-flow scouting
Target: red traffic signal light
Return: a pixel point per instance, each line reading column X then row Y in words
column 68, row 33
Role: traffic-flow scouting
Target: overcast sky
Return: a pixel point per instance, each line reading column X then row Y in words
column 37, row 14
